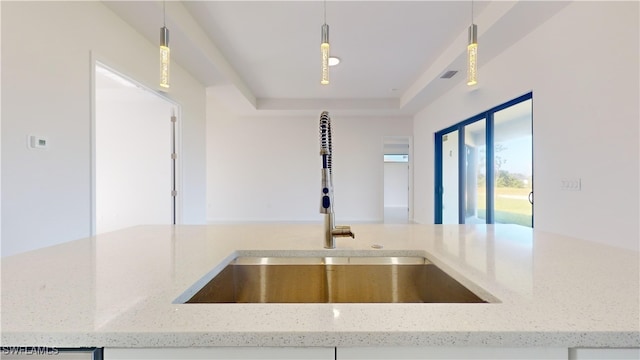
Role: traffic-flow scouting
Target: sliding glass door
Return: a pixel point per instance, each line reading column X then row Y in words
column 475, row 176
column 484, row 167
column 450, row 175
column 512, row 159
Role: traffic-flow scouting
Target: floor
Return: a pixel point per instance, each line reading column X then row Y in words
column 396, row 215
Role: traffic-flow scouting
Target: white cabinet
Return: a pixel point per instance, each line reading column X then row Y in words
column 449, row 353
column 369, row 353
column 609, row 354
column 220, row 353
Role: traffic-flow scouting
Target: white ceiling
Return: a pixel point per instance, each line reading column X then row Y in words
column 263, row 57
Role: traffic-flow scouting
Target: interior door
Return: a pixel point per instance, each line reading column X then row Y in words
column 133, row 161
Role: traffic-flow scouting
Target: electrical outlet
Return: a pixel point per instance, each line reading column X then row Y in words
column 571, row 184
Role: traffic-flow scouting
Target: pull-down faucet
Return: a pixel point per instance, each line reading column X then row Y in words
column 326, row 199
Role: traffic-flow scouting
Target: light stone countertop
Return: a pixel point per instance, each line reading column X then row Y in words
column 119, row 289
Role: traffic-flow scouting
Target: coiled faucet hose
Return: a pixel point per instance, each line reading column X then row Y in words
column 325, row 137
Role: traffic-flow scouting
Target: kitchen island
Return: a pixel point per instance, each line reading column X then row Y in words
column 123, row 290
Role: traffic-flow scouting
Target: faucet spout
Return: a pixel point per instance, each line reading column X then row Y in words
column 331, row 232
column 326, row 198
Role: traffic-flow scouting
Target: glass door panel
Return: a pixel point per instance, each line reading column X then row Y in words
column 475, row 172
column 512, row 165
column 450, row 176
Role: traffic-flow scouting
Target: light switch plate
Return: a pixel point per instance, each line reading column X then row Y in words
column 38, row 142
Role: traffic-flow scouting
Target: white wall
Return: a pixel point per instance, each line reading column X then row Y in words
column 582, row 66
column 46, row 59
column 268, row 169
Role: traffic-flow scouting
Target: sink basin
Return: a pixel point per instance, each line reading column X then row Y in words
column 333, row 280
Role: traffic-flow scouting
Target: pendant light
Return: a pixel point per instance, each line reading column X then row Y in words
column 165, row 52
column 472, row 52
column 324, row 48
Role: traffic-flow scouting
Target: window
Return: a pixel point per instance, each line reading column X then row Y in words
column 484, row 171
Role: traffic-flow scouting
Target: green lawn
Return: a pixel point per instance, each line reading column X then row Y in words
column 511, row 206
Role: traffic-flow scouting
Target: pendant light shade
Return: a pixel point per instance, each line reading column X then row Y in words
column 472, row 56
column 324, row 49
column 472, row 52
column 165, row 52
column 165, row 57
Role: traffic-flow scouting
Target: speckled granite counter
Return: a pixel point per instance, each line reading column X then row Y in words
column 118, row 290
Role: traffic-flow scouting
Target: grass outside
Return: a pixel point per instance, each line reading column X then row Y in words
column 511, row 206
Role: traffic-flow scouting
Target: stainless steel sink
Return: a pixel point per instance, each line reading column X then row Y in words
column 333, row 280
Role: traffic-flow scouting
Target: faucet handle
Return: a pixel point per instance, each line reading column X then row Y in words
column 343, row 230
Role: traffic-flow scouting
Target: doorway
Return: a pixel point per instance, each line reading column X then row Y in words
column 396, row 179
column 134, row 154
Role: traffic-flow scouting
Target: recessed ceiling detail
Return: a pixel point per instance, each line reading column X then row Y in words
column 263, row 55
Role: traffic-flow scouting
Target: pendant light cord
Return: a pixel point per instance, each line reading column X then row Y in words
column 325, row 11
column 164, row 13
column 472, row 11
